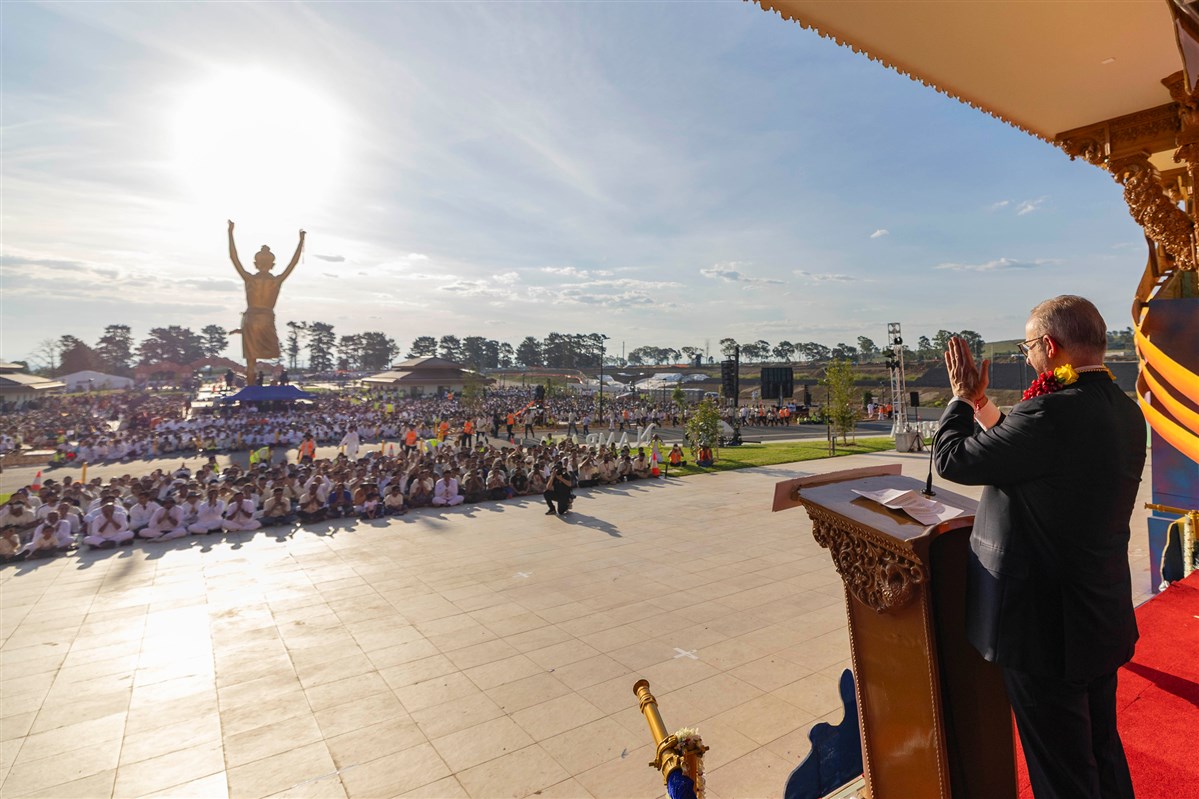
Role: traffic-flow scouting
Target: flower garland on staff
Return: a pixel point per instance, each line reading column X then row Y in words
column 1059, row 378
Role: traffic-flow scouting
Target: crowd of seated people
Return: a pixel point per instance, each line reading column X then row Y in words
column 123, row 428
column 57, row 517
column 76, row 417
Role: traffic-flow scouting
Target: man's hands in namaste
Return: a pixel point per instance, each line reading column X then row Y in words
column 966, row 380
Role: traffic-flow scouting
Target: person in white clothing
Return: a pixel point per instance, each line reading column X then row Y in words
column 141, row 511
column 239, row 514
column 277, row 509
column 10, row 545
column 67, row 513
column 107, row 498
column 211, row 515
column 191, row 508
column 16, row 516
column 445, row 491
column 32, row 501
column 108, row 529
column 50, row 537
column 166, row 523
column 351, row 442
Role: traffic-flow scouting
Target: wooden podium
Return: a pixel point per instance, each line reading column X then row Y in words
column 934, row 715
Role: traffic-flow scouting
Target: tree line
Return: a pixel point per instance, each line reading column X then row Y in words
column 556, row 351
column 865, row 351
column 117, row 352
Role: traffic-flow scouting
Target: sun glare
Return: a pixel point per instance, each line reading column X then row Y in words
column 253, row 144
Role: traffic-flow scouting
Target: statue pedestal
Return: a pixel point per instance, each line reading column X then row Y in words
column 934, row 715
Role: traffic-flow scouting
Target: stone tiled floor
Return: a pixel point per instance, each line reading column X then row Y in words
column 486, row 651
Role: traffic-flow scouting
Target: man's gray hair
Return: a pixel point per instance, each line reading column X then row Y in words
column 1072, row 321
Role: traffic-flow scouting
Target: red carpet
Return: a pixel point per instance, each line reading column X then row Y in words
column 1158, row 698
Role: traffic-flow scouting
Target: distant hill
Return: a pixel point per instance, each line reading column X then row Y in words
column 998, row 350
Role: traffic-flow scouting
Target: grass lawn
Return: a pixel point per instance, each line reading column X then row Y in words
column 788, row 452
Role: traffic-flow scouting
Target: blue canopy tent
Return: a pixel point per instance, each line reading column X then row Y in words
column 268, row 394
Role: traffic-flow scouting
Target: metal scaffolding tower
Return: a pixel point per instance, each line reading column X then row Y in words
column 899, row 389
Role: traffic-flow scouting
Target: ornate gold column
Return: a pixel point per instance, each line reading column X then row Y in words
column 1125, row 146
column 1154, row 155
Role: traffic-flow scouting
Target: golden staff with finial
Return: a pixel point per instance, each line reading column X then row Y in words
column 681, row 752
column 1188, row 527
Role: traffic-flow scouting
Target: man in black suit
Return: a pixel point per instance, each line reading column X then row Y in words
column 1049, row 595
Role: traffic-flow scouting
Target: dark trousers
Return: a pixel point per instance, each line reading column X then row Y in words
column 1068, row 731
column 563, row 502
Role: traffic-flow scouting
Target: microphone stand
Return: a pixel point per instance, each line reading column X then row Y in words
column 928, row 484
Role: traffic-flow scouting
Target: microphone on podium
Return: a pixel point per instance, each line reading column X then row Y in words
column 928, row 484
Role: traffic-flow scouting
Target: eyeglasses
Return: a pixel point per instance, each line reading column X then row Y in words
column 1026, row 347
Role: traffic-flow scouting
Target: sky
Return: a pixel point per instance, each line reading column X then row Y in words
column 664, row 173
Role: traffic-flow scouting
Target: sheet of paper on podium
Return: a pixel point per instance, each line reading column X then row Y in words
column 923, row 509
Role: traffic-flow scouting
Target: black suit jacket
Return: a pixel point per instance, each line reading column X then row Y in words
column 1048, row 588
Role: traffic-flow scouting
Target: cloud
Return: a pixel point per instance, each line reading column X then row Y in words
column 81, row 271
column 403, row 262
column 1028, row 206
column 728, row 275
column 334, row 258
column 506, row 277
column 828, row 277
column 998, row 265
column 565, row 271
column 207, row 284
column 575, row 272
column 1023, row 208
column 79, row 281
column 629, row 283
column 627, row 299
column 579, row 295
column 878, row 234
column 47, row 263
column 478, row 288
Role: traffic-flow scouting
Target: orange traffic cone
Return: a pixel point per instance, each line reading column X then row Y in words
column 36, row 485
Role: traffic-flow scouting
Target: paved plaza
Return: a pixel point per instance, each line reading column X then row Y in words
column 484, row 651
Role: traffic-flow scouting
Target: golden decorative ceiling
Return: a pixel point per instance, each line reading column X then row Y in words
column 1044, row 66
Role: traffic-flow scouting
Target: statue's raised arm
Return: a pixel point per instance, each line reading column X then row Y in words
column 233, row 255
column 295, row 259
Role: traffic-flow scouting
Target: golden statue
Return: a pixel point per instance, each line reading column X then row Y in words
column 258, row 338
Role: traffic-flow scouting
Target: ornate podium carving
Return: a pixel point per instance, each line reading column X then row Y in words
column 876, row 574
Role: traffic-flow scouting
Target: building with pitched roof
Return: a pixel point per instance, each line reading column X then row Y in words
column 18, row 388
column 422, row 377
